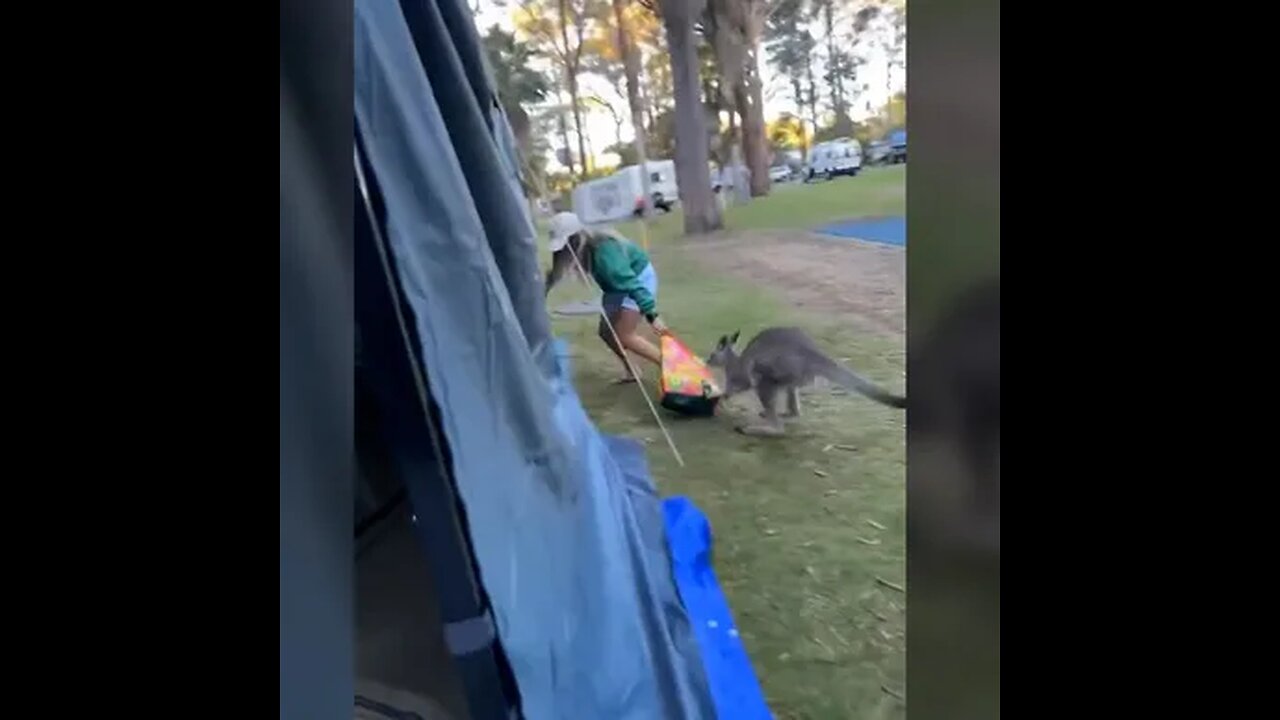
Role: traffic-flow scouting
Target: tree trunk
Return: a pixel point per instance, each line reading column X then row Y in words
column 577, row 122
column 701, row 213
column 749, row 97
column 564, row 135
column 729, row 139
column 571, row 72
column 648, row 101
column 631, row 63
column 798, row 88
column 813, row 96
column 833, row 62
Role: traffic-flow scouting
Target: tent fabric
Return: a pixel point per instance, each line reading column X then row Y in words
column 569, row 546
column 448, row 51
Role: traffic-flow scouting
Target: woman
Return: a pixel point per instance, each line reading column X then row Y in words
column 624, row 274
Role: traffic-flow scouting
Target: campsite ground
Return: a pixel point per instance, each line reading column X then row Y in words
column 809, row 528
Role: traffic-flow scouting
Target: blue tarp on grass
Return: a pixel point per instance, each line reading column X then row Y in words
column 734, row 687
column 886, row 230
column 733, row 684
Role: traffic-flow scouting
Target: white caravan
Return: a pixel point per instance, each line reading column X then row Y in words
column 620, row 195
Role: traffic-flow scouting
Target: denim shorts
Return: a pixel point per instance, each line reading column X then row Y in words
column 615, row 301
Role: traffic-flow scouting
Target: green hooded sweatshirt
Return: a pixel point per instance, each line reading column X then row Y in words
column 617, row 265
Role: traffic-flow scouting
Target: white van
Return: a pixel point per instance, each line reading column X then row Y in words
column 620, row 195
column 835, row 157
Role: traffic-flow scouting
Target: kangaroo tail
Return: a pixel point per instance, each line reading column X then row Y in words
column 841, row 375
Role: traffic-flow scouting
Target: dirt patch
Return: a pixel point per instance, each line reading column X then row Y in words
column 863, row 282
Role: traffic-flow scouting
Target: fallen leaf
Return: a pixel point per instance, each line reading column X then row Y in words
column 890, row 585
column 838, row 636
column 824, row 646
column 892, row 692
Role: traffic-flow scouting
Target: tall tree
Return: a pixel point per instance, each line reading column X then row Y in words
column 866, row 30
column 701, row 212
column 813, row 90
column 723, row 144
column 649, row 39
column 558, row 28
column 839, row 65
column 895, row 48
column 658, row 89
column 738, row 26
column 790, row 48
column 565, row 152
column 519, row 85
column 615, row 56
column 624, row 14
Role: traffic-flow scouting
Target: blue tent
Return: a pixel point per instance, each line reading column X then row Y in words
column 521, row 559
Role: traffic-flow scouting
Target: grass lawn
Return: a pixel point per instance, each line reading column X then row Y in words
column 809, row 536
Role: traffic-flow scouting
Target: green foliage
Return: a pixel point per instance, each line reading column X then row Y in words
column 515, row 78
column 785, row 133
column 626, row 153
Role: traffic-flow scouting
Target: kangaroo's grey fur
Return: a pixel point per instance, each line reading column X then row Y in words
column 782, row 359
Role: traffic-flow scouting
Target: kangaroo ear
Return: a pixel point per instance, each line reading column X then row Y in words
column 734, row 340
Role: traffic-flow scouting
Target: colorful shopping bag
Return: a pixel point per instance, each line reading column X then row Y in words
column 688, row 387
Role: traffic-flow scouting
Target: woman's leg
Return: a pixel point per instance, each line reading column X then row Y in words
column 603, row 330
column 626, row 323
column 628, row 327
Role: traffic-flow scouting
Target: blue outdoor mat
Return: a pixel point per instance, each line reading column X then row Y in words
column 885, row 230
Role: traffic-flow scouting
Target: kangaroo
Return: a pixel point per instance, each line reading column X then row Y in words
column 784, row 359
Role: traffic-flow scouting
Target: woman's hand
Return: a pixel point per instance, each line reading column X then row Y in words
column 659, row 327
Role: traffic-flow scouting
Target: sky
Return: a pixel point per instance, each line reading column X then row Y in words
column 880, row 85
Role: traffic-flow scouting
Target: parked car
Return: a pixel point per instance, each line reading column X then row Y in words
column 897, row 141
column 877, row 152
column 779, row 173
column 835, row 157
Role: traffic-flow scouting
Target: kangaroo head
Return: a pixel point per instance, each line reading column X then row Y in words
column 724, row 355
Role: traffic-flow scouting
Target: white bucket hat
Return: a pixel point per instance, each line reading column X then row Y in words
column 563, row 225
